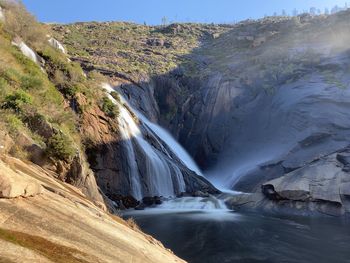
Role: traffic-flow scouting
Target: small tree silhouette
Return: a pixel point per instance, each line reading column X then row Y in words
column 164, row 21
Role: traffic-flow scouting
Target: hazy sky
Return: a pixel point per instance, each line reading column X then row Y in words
column 152, row 11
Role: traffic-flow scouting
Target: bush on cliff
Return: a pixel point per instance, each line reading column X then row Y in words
column 17, row 100
column 108, row 107
column 61, row 147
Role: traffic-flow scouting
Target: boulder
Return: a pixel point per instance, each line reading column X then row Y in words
column 322, row 185
column 150, row 201
column 124, row 202
column 15, row 184
column 155, row 42
column 140, row 207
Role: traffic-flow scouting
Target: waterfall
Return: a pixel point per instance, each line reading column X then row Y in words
column 2, row 16
column 153, row 173
column 129, row 130
column 57, row 45
column 27, row 51
column 176, row 148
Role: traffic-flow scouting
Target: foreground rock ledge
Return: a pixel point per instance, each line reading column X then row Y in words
column 61, row 225
column 16, row 184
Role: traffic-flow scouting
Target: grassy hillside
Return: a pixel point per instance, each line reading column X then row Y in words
column 38, row 102
column 135, row 49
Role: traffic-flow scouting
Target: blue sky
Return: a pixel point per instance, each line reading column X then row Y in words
column 152, row 11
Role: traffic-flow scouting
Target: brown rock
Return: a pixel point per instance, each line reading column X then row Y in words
column 16, row 184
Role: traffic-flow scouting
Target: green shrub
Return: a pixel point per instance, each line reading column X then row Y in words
column 109, row 107
column 29, row 82
column 3, row 84
column 11, row 75
column 17, row 100
column 116, row 96
column 14, row 123
column 70, row 90
column 96, row 76
column 61, row 147
column 76, row 74
column 54, row 57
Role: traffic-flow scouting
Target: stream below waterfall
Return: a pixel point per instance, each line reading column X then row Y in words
column 202, row 229
column 212, row 234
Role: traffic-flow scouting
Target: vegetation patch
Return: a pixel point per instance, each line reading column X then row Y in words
column 108, row 107
column 61, row 147
column 52, row 251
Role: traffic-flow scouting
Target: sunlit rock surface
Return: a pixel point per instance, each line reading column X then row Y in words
column 61, row 224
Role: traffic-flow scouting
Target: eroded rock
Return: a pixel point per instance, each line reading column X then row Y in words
column 15, row 184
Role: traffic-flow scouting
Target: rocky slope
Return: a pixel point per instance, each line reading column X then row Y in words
column 251, row 102
column 43, row 219
column 63, row 120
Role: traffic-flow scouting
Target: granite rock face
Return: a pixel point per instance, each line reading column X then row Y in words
column 64, row 219
column 323, row 181
column 119, row 158
column 15, row 184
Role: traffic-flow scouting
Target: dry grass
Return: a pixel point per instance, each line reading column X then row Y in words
column 132, row 224
column 55, row 252
column 5, row 260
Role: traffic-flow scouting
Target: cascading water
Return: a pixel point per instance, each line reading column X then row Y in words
column 180, row 152
column 26, row 51
column 194, row 203
column 160, row 175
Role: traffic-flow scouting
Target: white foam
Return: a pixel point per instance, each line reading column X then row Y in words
column 56, row 44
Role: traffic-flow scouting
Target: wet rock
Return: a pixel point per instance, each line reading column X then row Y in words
column 183, row 194
column 252, row 181
column 150, row 201
column 124, row 202
column 141, row 206
column 344, row 158
column 313, row 139
column 158, row 200
column 196, row 183
column 200, row 194
column 269, row 191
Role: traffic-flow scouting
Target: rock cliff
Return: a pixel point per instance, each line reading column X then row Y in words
column 252, row 103
column 60, row 224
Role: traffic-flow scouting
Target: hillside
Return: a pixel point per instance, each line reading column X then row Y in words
column 53, row 207
column 251, row 102
column 132, row 49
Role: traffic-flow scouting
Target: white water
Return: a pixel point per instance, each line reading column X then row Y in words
column 176, row 148
column 161, row 177
column 27, row 51
column 196, row 208
column 194, row 204
column 56, row 44
column 2, row 16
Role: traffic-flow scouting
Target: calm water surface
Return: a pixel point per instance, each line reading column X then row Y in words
column 221, row 236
